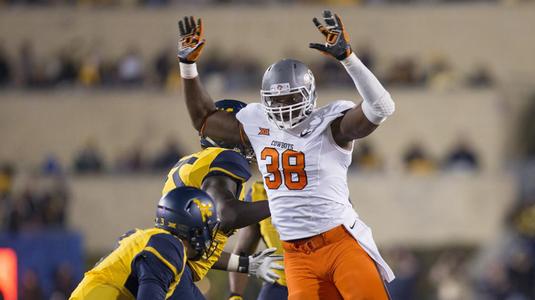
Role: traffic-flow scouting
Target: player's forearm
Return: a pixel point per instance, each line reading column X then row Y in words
column 378, row 103
column 238, row 214
column 222, row 262
column 248, row 239
column 232, row 263
column 198, row 101
column 246, row 244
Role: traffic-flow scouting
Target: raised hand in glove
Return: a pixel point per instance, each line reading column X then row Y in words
column 263, row 264
column 337, row 39
column 190, row 41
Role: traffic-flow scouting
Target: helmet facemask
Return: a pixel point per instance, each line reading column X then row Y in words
column 286, row 116
column 202, row 240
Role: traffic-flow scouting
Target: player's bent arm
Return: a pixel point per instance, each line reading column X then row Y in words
column 219, row 125
column 376, row 106
column 222, row 126
column 233, row 214
column 154, row 277
column 198, row 101
column 246, row 213
column 377, row 103
column 351, row 126
column 246, row 244
column 223, row 190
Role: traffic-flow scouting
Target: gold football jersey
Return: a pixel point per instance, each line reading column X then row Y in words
column 112, row 277
column 191, row 171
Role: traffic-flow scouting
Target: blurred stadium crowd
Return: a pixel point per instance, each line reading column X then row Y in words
column 39, row 200
column 76, row 66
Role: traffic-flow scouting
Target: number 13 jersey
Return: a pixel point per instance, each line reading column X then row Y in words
column 304, row 170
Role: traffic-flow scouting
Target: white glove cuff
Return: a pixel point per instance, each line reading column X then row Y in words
column 188, row 71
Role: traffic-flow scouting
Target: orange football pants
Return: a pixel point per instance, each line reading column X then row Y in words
column 331, row 265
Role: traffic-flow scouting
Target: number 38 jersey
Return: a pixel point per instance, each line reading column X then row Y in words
column 304, row 170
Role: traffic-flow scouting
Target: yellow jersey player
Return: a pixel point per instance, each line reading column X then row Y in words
column 149, row 263
column 221, row 169
column 248, row 239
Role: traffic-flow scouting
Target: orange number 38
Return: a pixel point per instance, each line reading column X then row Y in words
column 293, row 169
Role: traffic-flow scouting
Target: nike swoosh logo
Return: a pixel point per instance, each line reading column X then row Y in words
column 353, row 224
column 302, row 134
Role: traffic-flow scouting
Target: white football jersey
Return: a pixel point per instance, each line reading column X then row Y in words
column 305, row 176
column 304, row 170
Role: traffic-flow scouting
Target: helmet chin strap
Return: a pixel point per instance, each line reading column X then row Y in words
column 281, row 124
column 212, row 142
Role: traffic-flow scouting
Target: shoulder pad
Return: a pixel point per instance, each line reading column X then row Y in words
column 231, row 163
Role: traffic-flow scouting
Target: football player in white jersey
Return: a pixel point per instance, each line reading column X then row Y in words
column 303, row 153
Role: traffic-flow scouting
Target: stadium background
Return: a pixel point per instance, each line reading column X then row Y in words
column 92, row 116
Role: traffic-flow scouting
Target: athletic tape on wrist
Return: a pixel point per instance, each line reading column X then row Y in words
column 188, row 71
column 233, row 263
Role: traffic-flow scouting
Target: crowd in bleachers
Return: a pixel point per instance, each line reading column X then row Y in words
column 41, row 196
column 89, row 159
column 37, row 203
column 469, row 273
column 41, row 201
column 64, row 284
column 86, row 67
column 416, row 160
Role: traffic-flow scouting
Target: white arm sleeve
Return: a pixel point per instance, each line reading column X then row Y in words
column 377, row 104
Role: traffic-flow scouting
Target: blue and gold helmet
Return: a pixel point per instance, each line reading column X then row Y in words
column 232, row 106
column 190, row 214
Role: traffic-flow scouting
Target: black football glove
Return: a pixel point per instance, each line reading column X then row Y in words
column 337, row 39
column 190, row 41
